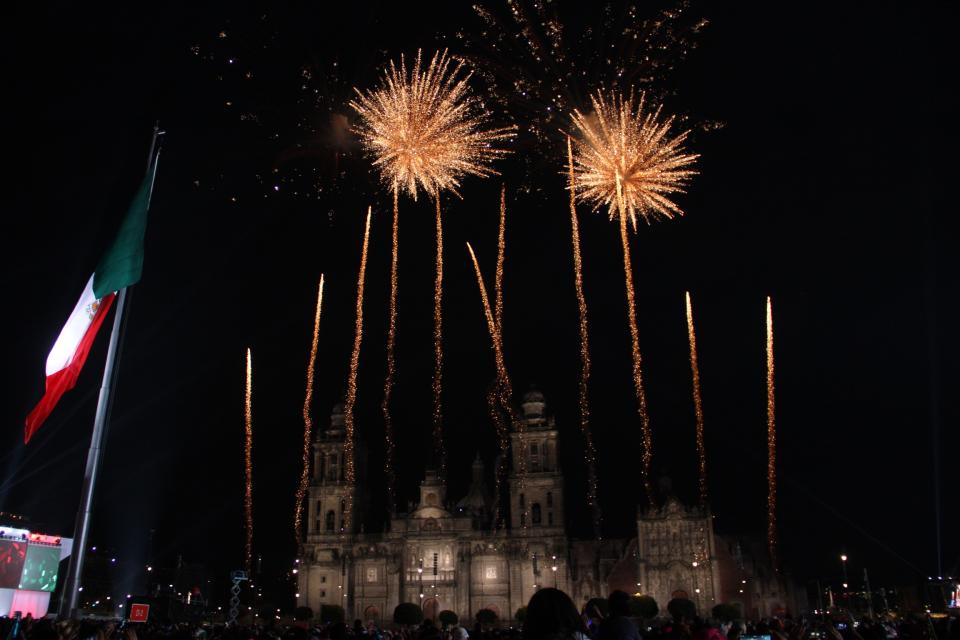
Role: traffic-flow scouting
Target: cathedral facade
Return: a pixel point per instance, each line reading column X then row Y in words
column 453, row 556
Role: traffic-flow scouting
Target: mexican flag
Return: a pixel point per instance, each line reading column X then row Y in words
column 121, row 266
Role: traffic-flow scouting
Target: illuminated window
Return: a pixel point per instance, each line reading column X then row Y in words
column 490, row 573
column 371, row 574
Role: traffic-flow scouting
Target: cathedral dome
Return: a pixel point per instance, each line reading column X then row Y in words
column 533, row 405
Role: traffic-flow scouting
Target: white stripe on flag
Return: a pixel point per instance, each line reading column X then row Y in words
column 72, row 333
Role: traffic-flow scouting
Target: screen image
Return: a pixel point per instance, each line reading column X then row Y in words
column 12, row 555
column 40, row 568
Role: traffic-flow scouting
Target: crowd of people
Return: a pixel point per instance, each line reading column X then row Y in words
column 550, row 615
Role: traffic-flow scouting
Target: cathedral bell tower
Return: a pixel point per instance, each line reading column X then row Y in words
column 329, row 490
column 536, row 495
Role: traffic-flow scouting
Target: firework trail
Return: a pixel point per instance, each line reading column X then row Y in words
column 307, row 421
column 248, row 467
column 589, row 453
column 697, row 404
column 504, row 387
column 439, row 450
column 771, row 444
column 351, row 399
column 501, row 251
column 503, row 441
column 647, row 456
column 391, row 366
column 426, row 130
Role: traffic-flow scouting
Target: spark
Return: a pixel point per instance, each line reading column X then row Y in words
column 425, row 129
column 439, row 450
column 351, row 399
column 589, row 453
column 697, row 404
column 248, row 466
column 771, row 444
column 501, row 251
column 628, row 161
column 307, row 421
column 504, row 387
column 391, row 366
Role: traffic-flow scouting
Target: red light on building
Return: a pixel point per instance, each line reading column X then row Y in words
column 43, row 538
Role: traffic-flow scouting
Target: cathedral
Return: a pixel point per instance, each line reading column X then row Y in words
column 448, row 555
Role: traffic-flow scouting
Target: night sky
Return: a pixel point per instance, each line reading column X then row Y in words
column 826, row 187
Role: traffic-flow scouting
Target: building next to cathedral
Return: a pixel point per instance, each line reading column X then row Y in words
column 452, row 555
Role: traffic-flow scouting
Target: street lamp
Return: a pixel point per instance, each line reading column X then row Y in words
column 843, row 563
column 554, row 569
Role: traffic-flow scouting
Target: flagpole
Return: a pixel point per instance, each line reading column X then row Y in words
column 69, row 601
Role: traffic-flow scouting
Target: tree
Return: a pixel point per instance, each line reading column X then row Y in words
column 300, row 614
column 331, row 613
column 644, row 607
column 682, row 609
column 407, row 614
column 487, row 617
column 447, row 618
column 726, row 612
column 598, row 608
column 521, row 615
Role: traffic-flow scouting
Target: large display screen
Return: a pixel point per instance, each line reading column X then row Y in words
column 40, row 568
column 12, row 555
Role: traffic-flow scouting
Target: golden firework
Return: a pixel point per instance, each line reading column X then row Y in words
column 351, row 399
column 248, row 466
column 501, row 256
column 697, row 404
column 391, row 366
column 504, row 387
column 589, row 452
column 771, row 444
column 425, row 129
column 628, row 161
column 307, row 420
column 439, row 449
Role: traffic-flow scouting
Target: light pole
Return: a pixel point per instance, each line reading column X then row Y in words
column 843, row 563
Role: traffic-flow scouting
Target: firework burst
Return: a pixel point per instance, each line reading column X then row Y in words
column 627, row 161
column 248, row 466
column 771, row 444
column 425, row 129
column 351, row 399
column 697, row 404
column 307, row 421
column 589, row 452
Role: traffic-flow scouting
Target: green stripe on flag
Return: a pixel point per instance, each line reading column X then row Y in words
column 122, row 264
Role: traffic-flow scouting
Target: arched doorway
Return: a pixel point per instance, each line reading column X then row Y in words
column 371, row 614
column 431, row 608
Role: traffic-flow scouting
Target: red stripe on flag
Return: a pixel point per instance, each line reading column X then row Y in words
column 65, row 379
